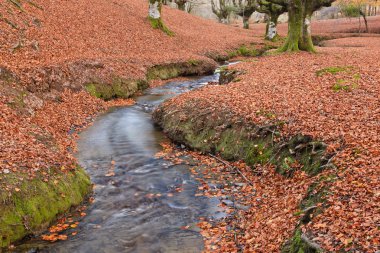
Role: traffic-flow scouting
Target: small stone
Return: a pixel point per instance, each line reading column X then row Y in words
column 6, row 171
column 227, row 202
column 240, row 184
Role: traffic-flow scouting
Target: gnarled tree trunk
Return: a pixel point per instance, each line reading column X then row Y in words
column 299, row 27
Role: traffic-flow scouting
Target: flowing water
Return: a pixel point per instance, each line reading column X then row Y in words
column 137, row 209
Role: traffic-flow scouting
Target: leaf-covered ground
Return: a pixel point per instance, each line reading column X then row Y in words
column 116, row 34
column 62, row 44
column 70, row 41
column 333, row 96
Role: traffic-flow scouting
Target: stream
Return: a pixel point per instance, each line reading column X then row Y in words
column 138, row 209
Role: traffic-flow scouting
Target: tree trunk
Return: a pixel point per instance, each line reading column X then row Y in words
column 365, row 20
column 306, row 43
column 155, row 9
column 224, row 20
column 154, row 16
column 181, row 5
column 299, row 30
column 245, row 22
column 271, row 29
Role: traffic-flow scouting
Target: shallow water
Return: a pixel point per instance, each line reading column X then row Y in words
column 126, row 216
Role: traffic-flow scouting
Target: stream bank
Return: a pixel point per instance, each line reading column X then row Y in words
column 219, row 131
column 36, row 203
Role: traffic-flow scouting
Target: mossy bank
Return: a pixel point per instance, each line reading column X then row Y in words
column 31, row 207
column 125, row 88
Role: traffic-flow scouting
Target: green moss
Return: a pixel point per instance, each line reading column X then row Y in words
column 258, row 154
column 333, row 70
column 341, row 86
column 243, row 51
column 163, row 72
column 237, row 142
column 38, row 203
column 297, row 245
column 158, row 24
column 119, row 88
column 346, row 85
column 193, row 62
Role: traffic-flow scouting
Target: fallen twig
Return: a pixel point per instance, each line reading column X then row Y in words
column 232, row 167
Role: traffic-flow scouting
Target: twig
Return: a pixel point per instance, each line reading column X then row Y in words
column 232, row 167
column 328, row 164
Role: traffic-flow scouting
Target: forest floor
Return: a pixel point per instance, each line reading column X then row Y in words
column 57, row 50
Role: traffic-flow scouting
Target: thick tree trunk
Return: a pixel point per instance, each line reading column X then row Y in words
column 271, row 29
column 154, row 16
column 306, row 43
column 299, row 28
column 245, row 22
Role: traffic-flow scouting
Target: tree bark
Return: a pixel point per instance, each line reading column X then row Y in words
column 245, row 22
column 365, row 20
column 181, row 5
column 155, row 9
column 271, row 29
column 299, row 27
column 306, row 43
column 154, row 16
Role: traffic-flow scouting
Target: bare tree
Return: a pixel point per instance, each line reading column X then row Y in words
column 245, row 9
column 273, row 11
column 222, row 9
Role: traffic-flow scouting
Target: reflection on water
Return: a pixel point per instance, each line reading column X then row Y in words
column 132, row 211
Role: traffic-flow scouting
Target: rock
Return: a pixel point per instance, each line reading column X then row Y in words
column 6, row 171
column 242, row 207
column 227, row 76
column 227, row 202
column 240, row 184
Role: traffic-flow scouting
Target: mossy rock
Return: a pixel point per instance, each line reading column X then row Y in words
column 36, row 204
column 229, row 75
